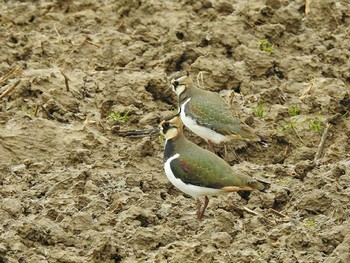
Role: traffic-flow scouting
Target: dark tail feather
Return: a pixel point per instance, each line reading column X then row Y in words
column 248, row 134
column 258, row 184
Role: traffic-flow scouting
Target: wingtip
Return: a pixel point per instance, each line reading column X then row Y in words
column 260, row 184
column 254, row 138
column 247, row 133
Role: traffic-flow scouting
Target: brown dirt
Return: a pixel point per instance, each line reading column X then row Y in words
column 73, row 191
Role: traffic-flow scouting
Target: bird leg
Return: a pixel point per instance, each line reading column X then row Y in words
column 201, row 214
column 225, row 153
column 210, row 146
column 199, row 204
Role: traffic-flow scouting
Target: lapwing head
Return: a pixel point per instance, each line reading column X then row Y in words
column 171, row 127
column 180, row 83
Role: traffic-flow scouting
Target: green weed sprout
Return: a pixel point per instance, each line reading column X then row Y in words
column 31, row 111
column 310, row 223
column 316, row 125
column 118, row 117
column 161, row 138
column 266, row 46
column 294, row 110
column 259, row 111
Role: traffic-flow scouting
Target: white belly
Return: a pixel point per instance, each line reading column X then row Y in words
column 206, row 133
column 192, row 190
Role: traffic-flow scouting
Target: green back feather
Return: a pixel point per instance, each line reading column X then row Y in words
column 209, row 110
column 200, row 167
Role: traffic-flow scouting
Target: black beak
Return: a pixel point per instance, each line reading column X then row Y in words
column 172, row 116
column 175, row 84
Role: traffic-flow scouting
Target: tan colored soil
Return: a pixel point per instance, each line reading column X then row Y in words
column 72, row 190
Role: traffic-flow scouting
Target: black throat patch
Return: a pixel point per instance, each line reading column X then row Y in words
column 183, row 97
column 169, row 150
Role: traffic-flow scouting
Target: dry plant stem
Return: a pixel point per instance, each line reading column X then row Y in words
column 137, row 133
column 54, row 27
column 286, row 150
column 36, row 109
column 9, row 89
column 66, row 79
column 101, row 124
column 57, row 184
column 91, row 43
column 277, row 213
column 297, row 134
column 231, row 98
column 307, row 90
column 322, row 142
column 10, row 74
column 335, row 18
column 153, row 37
column 50, row 116
column 257, row 214
column 250, row 211
column 75, row 47
column 225, row 152
column 123, row 68
column 307, row 7
column 200, row 79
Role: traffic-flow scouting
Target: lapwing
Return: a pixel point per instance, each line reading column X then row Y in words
column 196, row 171
column 206, row 114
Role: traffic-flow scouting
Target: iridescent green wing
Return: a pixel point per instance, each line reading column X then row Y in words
column 211, row 111
column 205, row 170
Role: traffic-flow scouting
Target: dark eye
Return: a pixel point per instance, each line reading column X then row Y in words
column 176, row 83
column 166, row 126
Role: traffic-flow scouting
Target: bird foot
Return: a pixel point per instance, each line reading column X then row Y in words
column 210, row 146
column 200, row 212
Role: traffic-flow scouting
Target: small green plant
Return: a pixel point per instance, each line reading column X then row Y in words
column 161, row 138
column 292, row 125
column 310, row 223
column 118, row 117
column 31, row 111
column 266, row 46
column 259, row 111
column 294, row 110
column 316, row 125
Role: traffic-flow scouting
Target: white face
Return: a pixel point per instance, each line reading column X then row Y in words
column 178, row 85
column 168, row 130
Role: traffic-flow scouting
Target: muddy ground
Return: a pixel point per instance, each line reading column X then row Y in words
column 73, row 190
